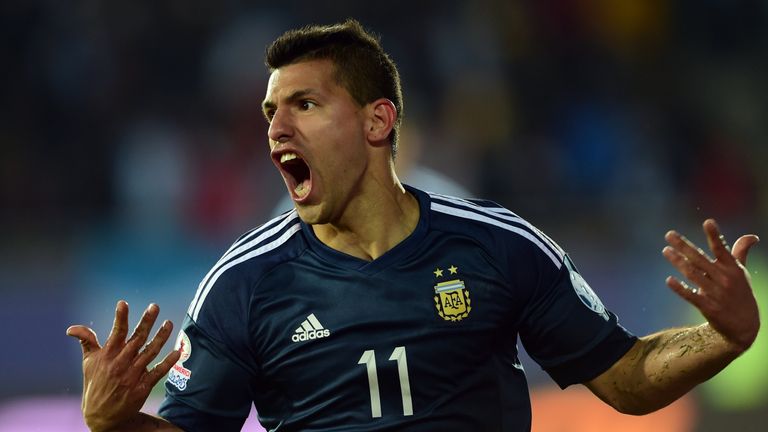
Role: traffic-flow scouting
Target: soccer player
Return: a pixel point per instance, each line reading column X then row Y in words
column 374, row 306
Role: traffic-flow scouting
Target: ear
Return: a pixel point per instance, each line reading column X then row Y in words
column 382, row 115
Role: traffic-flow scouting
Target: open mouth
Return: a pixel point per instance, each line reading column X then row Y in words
column 297, row 174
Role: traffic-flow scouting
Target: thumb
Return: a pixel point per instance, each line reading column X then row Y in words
column 87, row 337
column 742, row 246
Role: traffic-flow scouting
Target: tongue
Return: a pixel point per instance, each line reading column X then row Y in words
column 302, row 189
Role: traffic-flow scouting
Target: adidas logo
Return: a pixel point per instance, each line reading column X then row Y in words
column 310, row 329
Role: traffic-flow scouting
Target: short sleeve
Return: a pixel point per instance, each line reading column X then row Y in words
column 206, row 389
column 568, row 330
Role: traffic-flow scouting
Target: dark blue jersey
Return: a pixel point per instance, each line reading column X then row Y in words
column 424, row 338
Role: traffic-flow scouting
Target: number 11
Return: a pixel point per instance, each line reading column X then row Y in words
column 369, row 360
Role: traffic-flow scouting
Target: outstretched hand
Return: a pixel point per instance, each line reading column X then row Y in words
column 116, row 381
column 721, row 287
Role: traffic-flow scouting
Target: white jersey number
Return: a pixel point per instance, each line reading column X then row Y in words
column 369, row 360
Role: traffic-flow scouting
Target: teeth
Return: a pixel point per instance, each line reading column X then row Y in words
column 300, row 190
column 285, row 157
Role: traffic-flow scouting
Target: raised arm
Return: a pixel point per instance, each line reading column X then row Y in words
column 664, row 366
column 116, row 381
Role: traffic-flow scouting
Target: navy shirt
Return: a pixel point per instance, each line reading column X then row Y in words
column 424, row 338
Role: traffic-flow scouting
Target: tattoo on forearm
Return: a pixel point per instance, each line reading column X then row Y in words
column 663, row 366
column 684, row 342
column 680, row 344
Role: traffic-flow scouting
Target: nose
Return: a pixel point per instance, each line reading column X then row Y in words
column 281, row 127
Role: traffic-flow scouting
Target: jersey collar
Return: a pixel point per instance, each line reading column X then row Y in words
column 406, row 247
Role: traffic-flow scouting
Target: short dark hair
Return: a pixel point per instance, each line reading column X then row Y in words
column 361, row 65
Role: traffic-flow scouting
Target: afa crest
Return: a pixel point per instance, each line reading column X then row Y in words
column 452, row 300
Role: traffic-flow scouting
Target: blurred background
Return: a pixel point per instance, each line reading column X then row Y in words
column 133, row 152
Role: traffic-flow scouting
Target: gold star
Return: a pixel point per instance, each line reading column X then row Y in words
column 438, row 272
column 453, row 269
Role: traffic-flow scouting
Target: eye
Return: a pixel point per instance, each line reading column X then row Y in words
column 268, row 114
column 306, row 105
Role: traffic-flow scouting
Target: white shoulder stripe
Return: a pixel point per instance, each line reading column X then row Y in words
column 287, row 217
column 241, row 246
column 542, row 234
column 466, row 214
column 450, row 198
column 217, row 271
column 494, row 211
column 505, row 214
column 553, row 243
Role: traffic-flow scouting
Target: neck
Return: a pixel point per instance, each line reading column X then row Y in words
column 382, row 215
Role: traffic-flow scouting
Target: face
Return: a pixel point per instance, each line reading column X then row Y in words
column 316, row 138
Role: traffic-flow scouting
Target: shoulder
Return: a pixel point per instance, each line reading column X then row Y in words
column 494, row 226
column 250, row 257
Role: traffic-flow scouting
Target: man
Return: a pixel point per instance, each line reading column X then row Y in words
column 375, row 306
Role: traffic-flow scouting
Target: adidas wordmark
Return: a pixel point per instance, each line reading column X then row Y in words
column 310, row 329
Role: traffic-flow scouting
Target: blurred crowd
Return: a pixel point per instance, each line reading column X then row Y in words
column 542, row 104
column 133, row 148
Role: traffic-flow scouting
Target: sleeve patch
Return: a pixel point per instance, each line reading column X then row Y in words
column 584, row 291
column 179, row 375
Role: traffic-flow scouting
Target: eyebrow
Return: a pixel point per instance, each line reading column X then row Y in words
column 298, row 94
